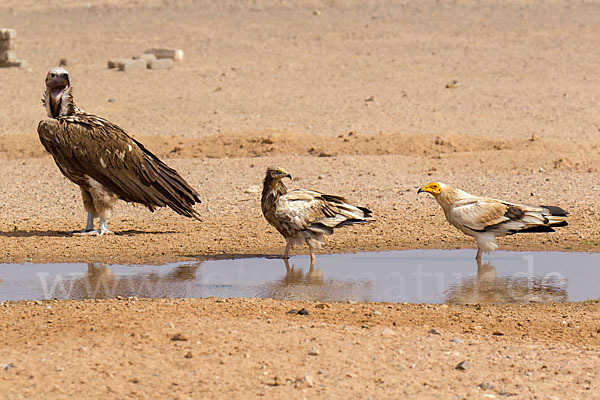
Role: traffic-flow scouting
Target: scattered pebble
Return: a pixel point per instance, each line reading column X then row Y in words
column 314, row 351
column 434, row 331
column 7, row 366
column 376, row 312
column 322, row 306
column 179, row 337
column 456, row 340
column 67, row 62
column 309, row 380
column 252, row 189
column 463, row 365
column 302, row 311
column 486, row 386
column 388, row 332
column 453, row 84
column 498, row 333
column 189, row 355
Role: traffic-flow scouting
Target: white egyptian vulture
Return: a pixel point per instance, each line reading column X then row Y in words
column 304, row 215
column 485, row 218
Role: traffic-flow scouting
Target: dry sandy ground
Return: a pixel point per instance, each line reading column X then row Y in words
column 351, row 97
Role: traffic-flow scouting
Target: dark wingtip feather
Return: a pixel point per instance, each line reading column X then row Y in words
column 368, row 213
column 556, row 211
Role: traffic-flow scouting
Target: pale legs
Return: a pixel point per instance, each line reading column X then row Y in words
column 89, row 227
column 98, row 204
column 286, row 255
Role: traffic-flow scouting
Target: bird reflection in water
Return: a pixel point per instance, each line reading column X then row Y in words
column 99, row 282
column 487, row 287
column 311, row 286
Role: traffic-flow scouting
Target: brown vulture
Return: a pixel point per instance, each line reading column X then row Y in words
column 303, row 215
column 105, row 161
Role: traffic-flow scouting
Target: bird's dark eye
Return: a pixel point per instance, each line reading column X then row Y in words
column 52, row 75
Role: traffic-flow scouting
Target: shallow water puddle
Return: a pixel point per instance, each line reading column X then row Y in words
column 415, row 276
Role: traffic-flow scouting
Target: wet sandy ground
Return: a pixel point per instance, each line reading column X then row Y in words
column 355, row 98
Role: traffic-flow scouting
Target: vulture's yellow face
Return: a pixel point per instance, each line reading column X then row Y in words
column 434, row 188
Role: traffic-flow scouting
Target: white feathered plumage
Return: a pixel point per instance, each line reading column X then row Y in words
column 485, row 218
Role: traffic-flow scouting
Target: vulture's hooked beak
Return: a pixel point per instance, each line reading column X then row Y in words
column 420, row 191
column 288, row 176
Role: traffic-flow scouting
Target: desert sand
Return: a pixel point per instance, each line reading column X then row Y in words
column 367, row 99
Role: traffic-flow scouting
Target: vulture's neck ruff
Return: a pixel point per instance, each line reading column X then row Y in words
column 59, row 103
column 58, row 97
column 273, row 186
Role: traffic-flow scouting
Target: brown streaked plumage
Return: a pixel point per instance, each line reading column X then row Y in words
column 303, row 215
column 105, row 161
column 485, row 218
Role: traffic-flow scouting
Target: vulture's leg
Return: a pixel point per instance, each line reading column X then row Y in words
column 89, row 227
column 103, row 228
column 478, row 256
column 88, row 204
column 287, row 265
column 312, row 255
column 288, row 243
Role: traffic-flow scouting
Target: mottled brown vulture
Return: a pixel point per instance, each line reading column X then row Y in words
column 303, row 215
column 105, row 161
column 485, row 218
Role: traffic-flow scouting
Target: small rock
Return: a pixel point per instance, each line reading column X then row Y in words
column 534, row 138
column 388, row 332
column 112, row 100
column 309, row 380
column 302, row 311
column 314, row 351
column 456, row 340
column 67, row 62
column 453, row 84
column 486, row 386
column 365, row 326
column 463, row 365
column 498, row 333
column 434, row 331
column 189, row 355
column 376, row 312
column 8, row 366
column 252, row 189
column 322, row 306
column 178, row 337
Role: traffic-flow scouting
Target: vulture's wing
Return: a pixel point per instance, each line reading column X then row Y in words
column 86, row 145
column 308, row 209
column 491, row 215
